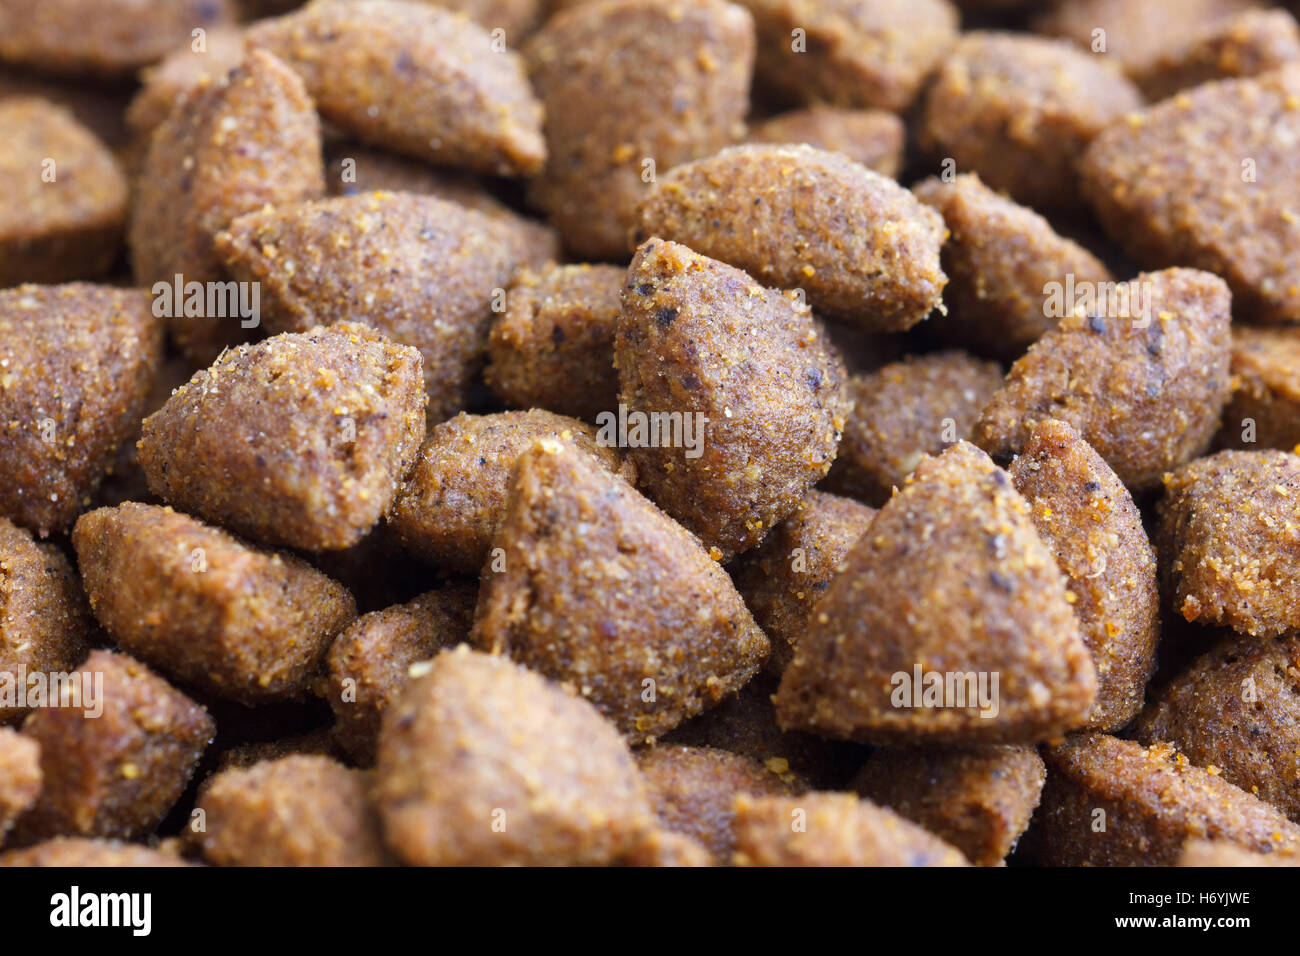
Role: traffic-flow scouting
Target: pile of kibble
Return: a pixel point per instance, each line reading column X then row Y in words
column 649, row 432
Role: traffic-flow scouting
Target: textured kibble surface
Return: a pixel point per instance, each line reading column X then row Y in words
column 1264, row 410
column 20, row 776
column 66, row 851
column 874, row 138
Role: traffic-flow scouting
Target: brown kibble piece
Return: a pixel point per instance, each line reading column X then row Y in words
column 849, row 53
column 170, row 80
column 194, row 182
column 1142, row 377
column 299, row 440
column 1019, row 110
column 838, row 830
column 1237, row 709
column 415, row 78
column 1153, row 801
column 67, row 851
column 453, row 499
column 295, row 811
column 76, row 362
column 953, row 580
column 1229, row 544
column 1002, row 261
column 109, row 38
column 65, row 197
column 1264, row 411
column 666, row 848
column 44, row 620
column 554, row 345
column 20, row 776
column 1207, row 179
column 782, row 578
column 1087, row 518
column 602, row 591
column 1218, row 853
column 861, row 247
column 205, row 608
column 874, row 138
column 116, row 774
column 979, row 800
column 482, row 762
column 626, row 83
column 759, row 390
column 368, row 662
column 420, row 270
column 693, row 791
column 906, row 410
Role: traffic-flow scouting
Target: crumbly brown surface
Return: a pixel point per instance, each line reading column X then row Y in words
column 906, row 410
column 1019, row 110
column 860, row 246
column 20, row 776
column 874, row 138
column 1264, row 410
column 1142, row 377
column 632, row 88
column 600, row 590
column 415, row 78
column 1088, row 519
column 300, row 440
column 1219, row 853
column 751, row 373
column 1152, row 801
column 69, row 851
column 167, row 82
column 205, row 608
column 980, row 800
column 76, row 362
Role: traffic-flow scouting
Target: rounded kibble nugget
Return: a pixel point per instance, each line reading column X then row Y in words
column 231, row 146
column 1264, row 410
column 1003, row 263
column 849, row 53
column 1229, row 542
column 295, row 811
column 906, row 410
column 782, row 578
column 452, row 500
column 953, row 580
column 693, row 791
column 1218, row 853
column 861, row 247
column 1088, row 519
column 633, row 88
column 980, row 800
column 415, row 78
column 1207, row 179
column 116, row 773
column 422, row 271
column 20, row 776
column 553, row 347
column 874, row 138
column 757, row 389
column 67, row 851
column 482, row 762
column 838, row 830
column 44, row 620
column 1153, row 801
column 65, row 198
column 299, row 440
column 103, row 37
column 167, row 82
column 76, row 363
column 205, row 608
column 368, row 662
column 1019, row 111
column 600, row 590
column 1142, row 376
column 1237, row 709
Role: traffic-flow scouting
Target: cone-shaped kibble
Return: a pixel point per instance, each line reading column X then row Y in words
column 482, row 762
column 759, row 392
column 233, row 146
column 1140, row 371
column 1089, row 521
column 950, row 622
column 415, row 78
column 603, row 592
column 862, row 247
column 420, row 270
column 299, row 440
column 76, row 365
